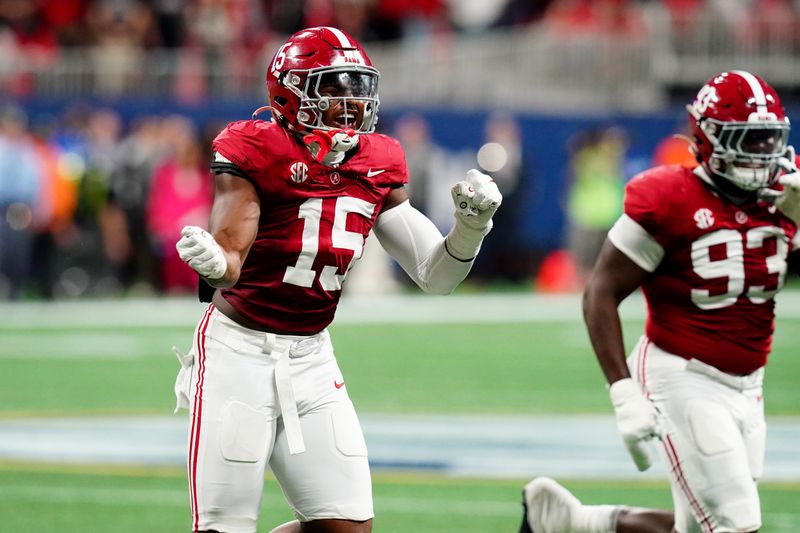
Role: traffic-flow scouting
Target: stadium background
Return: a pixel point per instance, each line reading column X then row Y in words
column 103, row 100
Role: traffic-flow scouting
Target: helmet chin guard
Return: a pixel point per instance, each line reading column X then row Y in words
column 329, row 146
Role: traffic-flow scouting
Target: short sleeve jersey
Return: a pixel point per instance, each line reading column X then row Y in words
column 711, row 295
column 313, row 224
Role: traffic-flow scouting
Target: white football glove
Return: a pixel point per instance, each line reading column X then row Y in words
column 476, row 200
column 789, row 201
column 201, row 252
column 637, row 420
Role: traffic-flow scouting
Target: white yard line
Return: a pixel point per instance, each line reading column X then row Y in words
column 419, row 309
column 395, row 308
column 502, row 446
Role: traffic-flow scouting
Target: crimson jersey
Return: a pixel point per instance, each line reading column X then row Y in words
column 314, row 220
column 711, row 296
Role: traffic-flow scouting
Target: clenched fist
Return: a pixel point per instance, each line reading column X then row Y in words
column 201, row 252
column 476, row 199
column 789, row 201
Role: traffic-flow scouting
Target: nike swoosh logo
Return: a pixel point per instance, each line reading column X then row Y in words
column 372, row 173
column 338, row 384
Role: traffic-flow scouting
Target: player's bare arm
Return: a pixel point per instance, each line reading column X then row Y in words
column 613, row 279
column 395, row 198
column 218, row 254
column 234, row 223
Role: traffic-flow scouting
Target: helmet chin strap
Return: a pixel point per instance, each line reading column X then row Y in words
column 330, row 146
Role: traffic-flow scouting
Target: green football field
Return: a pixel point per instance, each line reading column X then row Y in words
column 529, row 367
column 51, row 499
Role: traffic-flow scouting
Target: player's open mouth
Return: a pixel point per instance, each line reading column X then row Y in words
column 345, row 121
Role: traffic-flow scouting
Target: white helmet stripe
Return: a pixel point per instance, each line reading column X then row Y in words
column 344, row 42
column 755, row 87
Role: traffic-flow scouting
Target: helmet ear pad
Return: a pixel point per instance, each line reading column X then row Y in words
column 280, row 109
column 284, row 99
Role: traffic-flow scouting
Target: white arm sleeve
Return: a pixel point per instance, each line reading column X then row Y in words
column 418, row 246
column 633, row 240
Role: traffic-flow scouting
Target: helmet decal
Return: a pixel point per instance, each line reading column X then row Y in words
column 706, row 97
column 760, row 99
column 351, row 54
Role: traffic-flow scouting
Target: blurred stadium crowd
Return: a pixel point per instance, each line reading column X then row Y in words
column 91, row 207
column 92, row 197
column 35, row 34
column 42, row 26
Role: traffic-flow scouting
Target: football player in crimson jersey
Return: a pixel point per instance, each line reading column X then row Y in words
column 295, row 199
column 709, row 249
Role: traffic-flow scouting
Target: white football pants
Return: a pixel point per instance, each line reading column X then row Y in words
column 257, row 398
column 713, row 438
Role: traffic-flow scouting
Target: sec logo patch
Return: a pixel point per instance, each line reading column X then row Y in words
column 298, row 172
column 704, row 218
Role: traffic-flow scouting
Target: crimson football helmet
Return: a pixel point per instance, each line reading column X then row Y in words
column 323, row 58
column 740, row 129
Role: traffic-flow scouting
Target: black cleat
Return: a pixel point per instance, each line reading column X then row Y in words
column 525, row 527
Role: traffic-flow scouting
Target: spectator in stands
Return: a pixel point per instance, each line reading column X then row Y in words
column 139, row 153
column 774, row 25
column 595, row 17
column 180, row 194
column 20, row 182
column 66, row 19
column 352, row 16
column 436, row 165
column 103, row 136
column 26, row 42
column 416, row 19
column 58, row 197
column 429, row 169
column 523, row 12
column 223, row 40
column 503, row 157
column 120, row 32
column 87, row 141
column 424, row 157
column 594, row 198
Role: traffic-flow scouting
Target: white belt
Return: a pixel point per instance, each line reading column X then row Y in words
column 740, row 383
column 283, row 382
